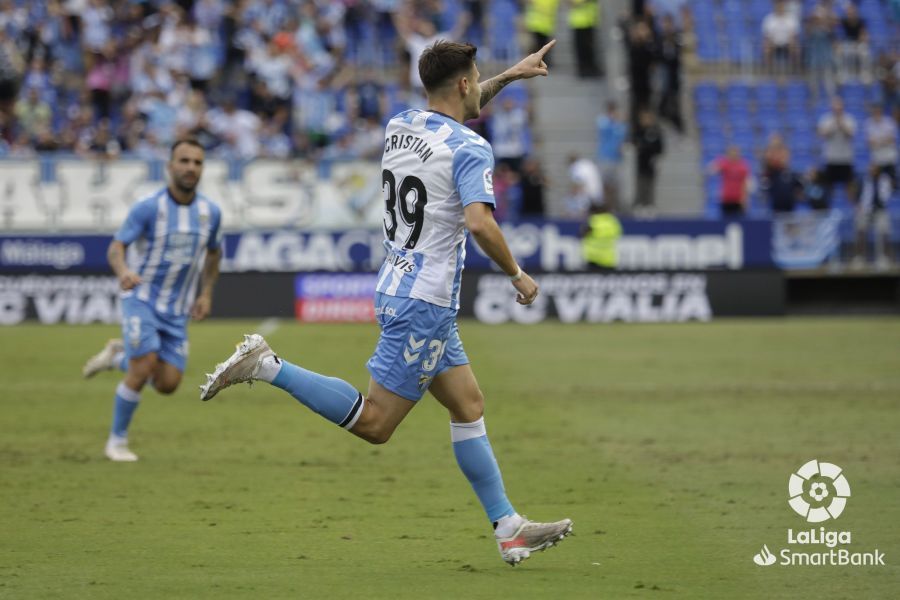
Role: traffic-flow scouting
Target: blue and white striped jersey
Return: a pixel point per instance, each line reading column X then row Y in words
column 170, row 242
column 432, row 168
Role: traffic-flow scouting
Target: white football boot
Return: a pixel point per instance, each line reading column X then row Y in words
column 241, row 366
column 117, row 450
column 532, row 537
column 103, row 360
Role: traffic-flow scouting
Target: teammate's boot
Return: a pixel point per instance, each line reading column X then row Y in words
column 117, row 450
column 103, row 360
column 241, row 366
column 532, row 537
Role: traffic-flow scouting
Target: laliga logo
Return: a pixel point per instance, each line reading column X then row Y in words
column 818, row 491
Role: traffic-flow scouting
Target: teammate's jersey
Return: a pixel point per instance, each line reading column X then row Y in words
column 432, row 167
column 169, row 245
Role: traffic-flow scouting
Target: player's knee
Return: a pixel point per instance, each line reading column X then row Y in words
column 477, row 404
column 375, row 433
column 377, row 437
column 165, row 387
column 141, row 370
column 471, row 409
column 373, row 429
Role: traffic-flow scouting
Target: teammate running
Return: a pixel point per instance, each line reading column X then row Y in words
column 176, row 232
column 437, row 183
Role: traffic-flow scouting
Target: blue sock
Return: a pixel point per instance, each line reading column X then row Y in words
column 126, row 403
column 333, row 398
column 476, row 460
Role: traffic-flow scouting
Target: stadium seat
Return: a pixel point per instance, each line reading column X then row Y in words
column 796, row 93
column 768, row 96
column 706, row 95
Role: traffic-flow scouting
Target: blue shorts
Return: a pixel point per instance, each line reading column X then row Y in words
column 144, row 331
column 419, row 340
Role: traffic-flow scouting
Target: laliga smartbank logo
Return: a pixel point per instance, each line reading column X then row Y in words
column 818, row 491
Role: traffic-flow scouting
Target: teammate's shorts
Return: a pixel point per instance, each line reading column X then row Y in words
column 419, row 340
column 144, row 330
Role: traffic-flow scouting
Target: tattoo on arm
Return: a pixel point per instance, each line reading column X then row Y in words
column 492, row 87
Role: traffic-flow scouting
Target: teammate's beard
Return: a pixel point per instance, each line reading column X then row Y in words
column 184, row 187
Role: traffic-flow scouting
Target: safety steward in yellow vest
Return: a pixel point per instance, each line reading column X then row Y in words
column 600, row 242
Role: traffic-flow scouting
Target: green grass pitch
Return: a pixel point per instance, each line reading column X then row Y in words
column 670, row 446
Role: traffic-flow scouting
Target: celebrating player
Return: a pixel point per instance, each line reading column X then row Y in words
column 437, row 183
column 177, row 237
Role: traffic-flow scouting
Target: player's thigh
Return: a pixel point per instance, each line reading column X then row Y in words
column 457, row 390
column 143, row 366
column 411, row 347
column 173, row 346
column 140, row 330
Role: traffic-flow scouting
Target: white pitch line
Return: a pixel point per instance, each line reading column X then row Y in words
column 269, row 326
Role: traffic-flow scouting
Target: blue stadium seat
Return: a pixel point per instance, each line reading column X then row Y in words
column 711, row 209
column 796, row 93
column 768, row 96
column 706, row 95
column 801, row 146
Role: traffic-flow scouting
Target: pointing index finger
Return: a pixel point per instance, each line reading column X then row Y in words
column 546, row 48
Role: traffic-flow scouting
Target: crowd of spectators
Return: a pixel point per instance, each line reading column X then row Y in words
column 848, row 154
column 652, row 32
column 833, row 36
column 249, row 79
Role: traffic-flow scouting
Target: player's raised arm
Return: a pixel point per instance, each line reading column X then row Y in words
column 532, row 65
column 481, row 224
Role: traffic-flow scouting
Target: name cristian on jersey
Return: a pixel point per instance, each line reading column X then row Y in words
column 413, row 143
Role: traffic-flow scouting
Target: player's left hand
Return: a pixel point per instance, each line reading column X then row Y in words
column 201, row 308
column 533, row 64
column 527, row 288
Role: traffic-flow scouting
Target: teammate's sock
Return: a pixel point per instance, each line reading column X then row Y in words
column 507, row 526
column 476, row 460
column 120, row 360
column 333, row 398
column 126, row 403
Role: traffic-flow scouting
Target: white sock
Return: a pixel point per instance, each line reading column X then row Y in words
column 507, row 526
column 117, row 440
column 269, row 368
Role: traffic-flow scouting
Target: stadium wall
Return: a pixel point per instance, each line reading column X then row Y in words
column 662, row 296
column 284, row 218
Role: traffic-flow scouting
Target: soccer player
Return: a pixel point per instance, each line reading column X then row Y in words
column 437, row 183
column 176, row 232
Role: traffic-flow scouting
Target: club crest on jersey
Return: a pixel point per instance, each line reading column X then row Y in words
column 489, row 181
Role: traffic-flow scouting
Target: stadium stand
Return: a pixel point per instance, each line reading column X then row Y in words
column 148, row 72
column 740, row 100
column 253, row 79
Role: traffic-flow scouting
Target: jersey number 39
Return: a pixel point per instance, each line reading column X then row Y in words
column 413, row 217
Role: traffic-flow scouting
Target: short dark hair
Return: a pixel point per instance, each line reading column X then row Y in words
column 190, row 141
column 444, row 60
